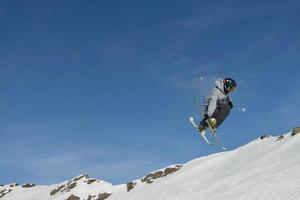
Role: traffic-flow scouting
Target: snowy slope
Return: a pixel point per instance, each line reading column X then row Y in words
column 264, row 169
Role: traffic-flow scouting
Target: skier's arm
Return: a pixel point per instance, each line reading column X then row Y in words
column 230, row 102
column 212, row 103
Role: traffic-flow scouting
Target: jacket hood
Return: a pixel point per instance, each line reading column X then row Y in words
column 219, row 84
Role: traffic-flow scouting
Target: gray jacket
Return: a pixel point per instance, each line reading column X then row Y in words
column 217, row 97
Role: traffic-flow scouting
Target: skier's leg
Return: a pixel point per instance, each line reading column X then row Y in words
column 221, row 113
column 203, row 124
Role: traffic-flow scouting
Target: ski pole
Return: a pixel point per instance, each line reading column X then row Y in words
column 201, row 90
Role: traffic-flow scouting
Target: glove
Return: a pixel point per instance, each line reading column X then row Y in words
column 206, row 116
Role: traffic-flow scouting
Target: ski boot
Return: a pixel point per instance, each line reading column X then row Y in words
column 202, row 127
column 212, row 123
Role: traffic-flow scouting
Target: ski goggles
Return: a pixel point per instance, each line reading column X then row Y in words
column 231, row 88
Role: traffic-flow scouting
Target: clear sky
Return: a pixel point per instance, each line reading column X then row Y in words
column 105, row 88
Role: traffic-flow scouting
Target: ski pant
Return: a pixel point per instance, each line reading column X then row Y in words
column 220, row 114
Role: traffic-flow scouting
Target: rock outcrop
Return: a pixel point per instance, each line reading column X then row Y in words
column 4, row 192
column 73, row 197
column 28, row 185
column 103, row 196
column 130, row 186
column 295, row 131
column 159, row 174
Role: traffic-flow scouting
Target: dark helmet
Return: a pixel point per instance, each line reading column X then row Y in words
column 229, row 84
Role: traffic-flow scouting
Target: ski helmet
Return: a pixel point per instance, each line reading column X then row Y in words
column 229, row 84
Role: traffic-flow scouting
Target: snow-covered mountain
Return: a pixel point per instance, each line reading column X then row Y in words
column 265, row 169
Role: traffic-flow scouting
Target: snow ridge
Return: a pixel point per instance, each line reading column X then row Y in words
column 266, row 168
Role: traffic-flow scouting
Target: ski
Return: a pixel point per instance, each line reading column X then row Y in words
column 214, row 133
column 201, row 134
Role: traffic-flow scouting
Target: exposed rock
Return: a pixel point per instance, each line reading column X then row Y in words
column 152, row 176
column 1, row 185
column 91, row 197
column 103, row 196
column 27, row 185
column 71, row 186
column 130, row 186
column 14, row 185
column 90, row 181
column 280, row 137
column 64, row 188
column 4, row 192
column 73, row 197
column 171, row 170
column 264, row 136
column 69, row 182
column 158, row 174
column 53, row 192
column 148, row 178
column 296, row 130
column 80, row 177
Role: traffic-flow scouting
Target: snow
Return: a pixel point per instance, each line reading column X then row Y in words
column 263, row 169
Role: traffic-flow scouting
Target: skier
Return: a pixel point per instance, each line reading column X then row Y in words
column 218, row 104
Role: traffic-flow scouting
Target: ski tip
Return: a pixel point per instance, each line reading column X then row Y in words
column 191, row 118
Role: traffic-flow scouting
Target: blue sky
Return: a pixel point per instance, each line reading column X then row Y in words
column 105, row 88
